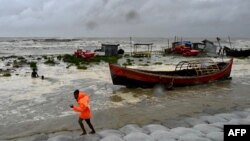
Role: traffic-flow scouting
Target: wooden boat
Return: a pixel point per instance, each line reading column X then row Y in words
column 84, row 54
column 185, row 73
column 236, row 53
column 191, row 52
column 185, row 48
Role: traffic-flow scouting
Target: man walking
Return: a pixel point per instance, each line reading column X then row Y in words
column 84, row 110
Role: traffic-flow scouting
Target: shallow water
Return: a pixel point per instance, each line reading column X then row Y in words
column 25, row 102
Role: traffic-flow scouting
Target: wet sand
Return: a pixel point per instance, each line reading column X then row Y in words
column 218, row 97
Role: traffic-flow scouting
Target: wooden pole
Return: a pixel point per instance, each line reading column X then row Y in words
column 168, row 43
column 130, row 38
column 229, row 41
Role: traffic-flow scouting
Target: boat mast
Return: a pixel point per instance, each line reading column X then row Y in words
column 230, row 42
column 130, row 38
column 221, row 52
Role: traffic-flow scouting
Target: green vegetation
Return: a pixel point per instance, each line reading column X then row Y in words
column 50, row 61
column 82, row 67
column 158, row 63
column 15, row 64
column 71, row 59
column 19, row 63
column 59, row 57
column 108, row 59
column 33, row 65
column 126, row 55
column 20, row 58
column 12, row 56
column 130, row 60
column 242, row 57
column 143, row 65
column 68, row 66
column 45, row 57
column 7, row 74
column 127, row 64
column 97, row 59
column 8, row 63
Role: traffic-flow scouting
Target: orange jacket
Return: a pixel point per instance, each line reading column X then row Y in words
column 83, row 108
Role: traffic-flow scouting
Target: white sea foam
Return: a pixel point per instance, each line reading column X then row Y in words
column 36, row 99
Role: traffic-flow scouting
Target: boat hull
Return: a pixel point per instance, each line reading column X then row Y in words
column 136, row 78
column 237, row 53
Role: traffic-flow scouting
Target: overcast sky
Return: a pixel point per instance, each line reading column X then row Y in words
column 124, row 18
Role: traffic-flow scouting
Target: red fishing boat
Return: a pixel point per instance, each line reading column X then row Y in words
column 185, row 73
column 192, row 52
column 84, row 54
column 185, row 48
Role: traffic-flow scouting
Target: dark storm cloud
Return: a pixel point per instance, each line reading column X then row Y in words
column 155, row 18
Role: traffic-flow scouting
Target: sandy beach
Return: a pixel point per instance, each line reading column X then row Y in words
column 35, row 109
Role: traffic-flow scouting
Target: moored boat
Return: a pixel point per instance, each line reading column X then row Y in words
column 186, row 73
column 84, row 54
column 236, row 53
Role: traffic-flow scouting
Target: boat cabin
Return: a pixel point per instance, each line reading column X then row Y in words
column 110, row 49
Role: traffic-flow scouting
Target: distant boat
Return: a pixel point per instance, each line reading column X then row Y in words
column 236, row 53
column 184, row 48
column 84, row 54
column 188, row 48
column 186, row 73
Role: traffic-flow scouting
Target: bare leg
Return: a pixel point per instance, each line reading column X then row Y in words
column 90, row 126
column 82, row 126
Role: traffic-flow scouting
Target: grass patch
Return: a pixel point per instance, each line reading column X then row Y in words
column 15, row 64
column 143, row 65
column 130, row 60
column 68, row 66
column 50, row 61
column 71, row 59
column 45, row 57
column 33, row 65
column 59, row 57
column 20, row 58
column 108, row 59
column 127, row 64
column 19, row 63
column 242, row 57
column 158, row 63
column 82, row 67
column 6, row 74
column 126, row 55
column 95, row 60
column 8, row 63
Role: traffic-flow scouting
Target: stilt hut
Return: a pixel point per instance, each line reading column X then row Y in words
column 142, row 49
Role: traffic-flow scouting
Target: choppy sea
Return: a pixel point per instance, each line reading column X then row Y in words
column 24, row 102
